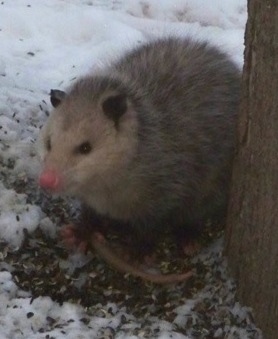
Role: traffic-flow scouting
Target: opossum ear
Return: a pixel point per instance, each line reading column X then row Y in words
column 56, row 97
column 115, row 106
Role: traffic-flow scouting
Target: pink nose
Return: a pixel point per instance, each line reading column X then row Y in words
column 49, row 179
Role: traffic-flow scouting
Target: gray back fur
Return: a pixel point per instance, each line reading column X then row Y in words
column 186, row 97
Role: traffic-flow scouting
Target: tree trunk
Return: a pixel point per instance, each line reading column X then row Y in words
column 252, row 225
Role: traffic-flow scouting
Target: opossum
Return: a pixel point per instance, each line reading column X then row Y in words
column 148, row 141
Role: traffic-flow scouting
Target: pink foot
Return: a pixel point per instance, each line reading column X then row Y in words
column 190, row 248
column 72, row 240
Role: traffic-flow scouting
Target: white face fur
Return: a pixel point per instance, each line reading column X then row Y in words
column 85, row 149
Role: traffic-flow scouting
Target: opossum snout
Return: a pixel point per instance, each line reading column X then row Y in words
column 50, row 180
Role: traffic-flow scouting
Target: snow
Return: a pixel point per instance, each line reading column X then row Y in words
column 16, row 215
column 46, row 44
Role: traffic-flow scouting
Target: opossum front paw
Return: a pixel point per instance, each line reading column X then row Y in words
column 73, row 238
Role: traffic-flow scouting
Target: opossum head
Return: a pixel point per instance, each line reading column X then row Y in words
column 89, row 140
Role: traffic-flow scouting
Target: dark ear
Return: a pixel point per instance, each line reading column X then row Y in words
column 56, row 97
column 115, row 106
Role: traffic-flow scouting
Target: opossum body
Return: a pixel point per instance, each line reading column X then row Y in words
column 149, row 140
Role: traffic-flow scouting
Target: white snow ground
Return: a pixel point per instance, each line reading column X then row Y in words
column 45, row 44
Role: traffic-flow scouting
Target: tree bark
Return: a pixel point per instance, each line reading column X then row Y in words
column 252, row 224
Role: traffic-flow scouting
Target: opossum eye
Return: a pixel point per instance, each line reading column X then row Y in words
column 48, row 144
column 84, row 148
